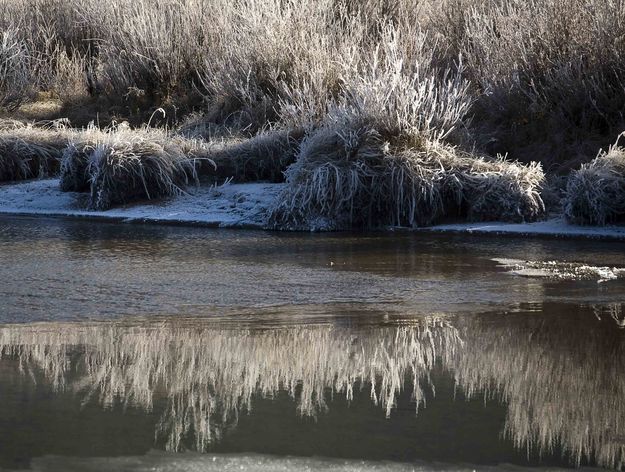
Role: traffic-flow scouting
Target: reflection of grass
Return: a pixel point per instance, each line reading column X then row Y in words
column 613, row 310
column 210, row 375
column 563, row 387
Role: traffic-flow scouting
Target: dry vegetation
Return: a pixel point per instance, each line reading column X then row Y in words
column 31, row 151
column 390, row 92
column 595, row 194
column 356, row 180
column 120, row 165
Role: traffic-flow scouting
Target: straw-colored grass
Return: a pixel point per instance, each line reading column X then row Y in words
column 354, row 179
column 16, row 74
column 595, row 194
column 533, row 80
column 30, row 151
column 120, row 165
column 73, row 169
column 546, row 75
column 265, row 157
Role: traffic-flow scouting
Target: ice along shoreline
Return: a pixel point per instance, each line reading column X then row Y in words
column 244, row 206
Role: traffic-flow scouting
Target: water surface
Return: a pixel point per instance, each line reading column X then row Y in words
column 128, row 347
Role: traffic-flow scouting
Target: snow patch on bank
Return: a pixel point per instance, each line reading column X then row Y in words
column 241, row 206
column 229, row 205
column 555, row 227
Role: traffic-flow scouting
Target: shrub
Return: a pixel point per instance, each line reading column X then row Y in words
column 120, row 165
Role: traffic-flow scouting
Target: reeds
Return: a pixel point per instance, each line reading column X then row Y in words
column 536, row 68
column 16, row 75
column 595, row 194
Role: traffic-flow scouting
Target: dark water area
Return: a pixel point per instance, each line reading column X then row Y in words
column 126, row 347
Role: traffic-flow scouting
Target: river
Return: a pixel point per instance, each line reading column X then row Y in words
column 139, row 347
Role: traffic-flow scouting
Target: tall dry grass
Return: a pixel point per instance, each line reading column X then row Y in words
column 16, row 78
column 536, row 80
column 547, row 74
column 355, row 179
column 120, row 165
column 31, row 150
column 539, row 70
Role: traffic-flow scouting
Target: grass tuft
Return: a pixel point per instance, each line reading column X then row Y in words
column 595, row 194
column 354, row 179
column 120, row 165
column 27, row 151
column 265, row 157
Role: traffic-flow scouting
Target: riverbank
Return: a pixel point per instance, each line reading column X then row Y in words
column 224, row 206
column 242, row 206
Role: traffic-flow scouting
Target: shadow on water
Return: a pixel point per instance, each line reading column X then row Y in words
column 539, row 387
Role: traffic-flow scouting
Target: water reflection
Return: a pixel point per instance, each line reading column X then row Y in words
column 616, row 311
column 209, row 375
column 561, row 377
column 557, row 370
